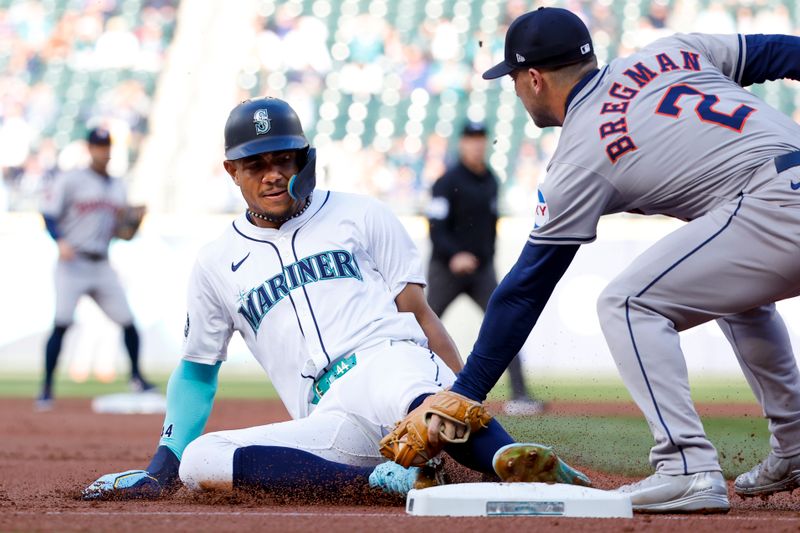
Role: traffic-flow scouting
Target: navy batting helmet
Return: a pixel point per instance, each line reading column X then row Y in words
column 269, row 124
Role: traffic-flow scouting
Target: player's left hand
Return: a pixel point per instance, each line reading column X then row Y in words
column 128, row 485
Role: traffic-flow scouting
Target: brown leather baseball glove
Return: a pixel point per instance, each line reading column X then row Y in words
column 129, row 218
column 408, row 443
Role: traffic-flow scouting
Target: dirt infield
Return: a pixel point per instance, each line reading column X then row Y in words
column 47, row 457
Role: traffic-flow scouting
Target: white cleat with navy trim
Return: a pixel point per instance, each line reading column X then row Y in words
column 703, row 492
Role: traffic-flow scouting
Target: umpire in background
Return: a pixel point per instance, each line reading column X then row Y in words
column 462, row 216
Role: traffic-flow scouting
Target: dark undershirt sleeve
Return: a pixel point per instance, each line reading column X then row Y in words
column 771, row 57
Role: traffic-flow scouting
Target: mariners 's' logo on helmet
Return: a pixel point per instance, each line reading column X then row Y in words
column 262, row 122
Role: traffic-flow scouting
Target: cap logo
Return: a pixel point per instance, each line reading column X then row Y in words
column 586, row 48
column 262, row 121
column 520, row 58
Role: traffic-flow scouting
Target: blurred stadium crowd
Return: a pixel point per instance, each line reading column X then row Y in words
column 66, row 66
column 381, row 85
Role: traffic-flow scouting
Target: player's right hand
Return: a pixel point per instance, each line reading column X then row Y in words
column 129, row 485
column 448, row 429
column 65, row 251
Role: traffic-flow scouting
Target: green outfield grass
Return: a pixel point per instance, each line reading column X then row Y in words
column 611, row 389
column 28, row 386
column 621, row 445
column 573, row 389
column 603, row 443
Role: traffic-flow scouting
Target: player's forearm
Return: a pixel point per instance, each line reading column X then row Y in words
column 771, row 57
column 412, row 300
column 440, row 342
column 190, row 397
column 51, row 224
column 512, row 312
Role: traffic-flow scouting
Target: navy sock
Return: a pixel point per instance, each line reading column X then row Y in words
column 276, row 467
column 132, row 345
column 51, row 352
column 164, row 467
column 477, row 453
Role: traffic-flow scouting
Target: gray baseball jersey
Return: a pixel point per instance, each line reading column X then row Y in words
column 669, row 130
column 84, row 205
column 682, row 88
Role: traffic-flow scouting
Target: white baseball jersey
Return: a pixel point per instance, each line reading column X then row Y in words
column 683, row 82
column 320, row 287
column 85, row 205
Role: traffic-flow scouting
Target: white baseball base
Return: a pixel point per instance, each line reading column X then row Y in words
column 518, row 499
column 130, row 403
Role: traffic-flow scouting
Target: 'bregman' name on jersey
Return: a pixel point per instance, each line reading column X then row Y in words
column 642, row 75
column 334, row 264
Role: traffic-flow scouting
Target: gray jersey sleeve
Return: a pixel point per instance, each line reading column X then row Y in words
column 726, row 52
column 571, row 201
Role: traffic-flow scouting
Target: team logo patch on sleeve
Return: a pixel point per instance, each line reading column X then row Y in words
column 542, row 212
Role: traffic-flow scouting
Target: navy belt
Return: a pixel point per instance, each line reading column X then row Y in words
column 787, row 161
column 92, row 256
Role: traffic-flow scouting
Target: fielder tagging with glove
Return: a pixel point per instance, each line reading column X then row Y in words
column 415, row 440
column 448, row 418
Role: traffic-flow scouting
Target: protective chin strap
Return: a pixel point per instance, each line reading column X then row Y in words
column 302, row 184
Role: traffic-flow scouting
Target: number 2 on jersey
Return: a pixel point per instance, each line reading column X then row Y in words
column 705, row 109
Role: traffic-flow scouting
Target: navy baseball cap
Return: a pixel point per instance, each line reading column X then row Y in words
column 99, row 136
column 473, row 128
column 547, row 37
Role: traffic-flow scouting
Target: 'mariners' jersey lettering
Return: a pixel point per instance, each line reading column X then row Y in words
column 334, row 264
column 623, row 95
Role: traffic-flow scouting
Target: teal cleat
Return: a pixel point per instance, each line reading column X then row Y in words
column 392, row 478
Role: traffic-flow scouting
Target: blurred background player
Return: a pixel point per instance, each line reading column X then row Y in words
column 463, row 227
column 80, row 212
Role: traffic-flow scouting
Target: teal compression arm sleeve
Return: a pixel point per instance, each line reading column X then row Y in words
column 190, row 396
